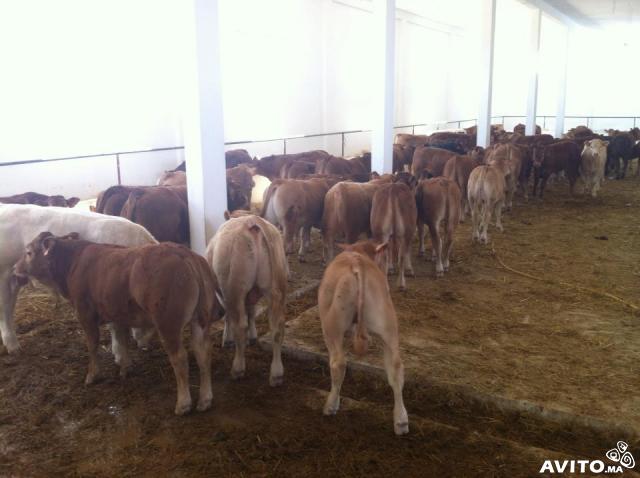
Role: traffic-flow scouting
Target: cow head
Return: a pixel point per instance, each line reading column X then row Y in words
column 71, row 202
column 406, row 178
column 374, row 251
column 57, row 201
column 35, row 262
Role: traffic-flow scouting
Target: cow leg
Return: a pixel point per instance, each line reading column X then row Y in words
column 227, row 333
column 143, row 336
column 407, row 259
column 171, row 337
column 239, row 323
column 402, row 285
column 201, row 346
column 543, row 184
column 120, row 346
column 436, row 244
column 448, row 244
column 337, row 363
column 421, row 233
column 625, row 166
column 328, row 252
column 305, row 240
column 8, row 294
column 475, row 222
column 276, row 325
column 290, row 229
column 89, row 323
column 395, row 376
column 498, row 212
column 485, row 218
column 252, row 333
column 536, row 181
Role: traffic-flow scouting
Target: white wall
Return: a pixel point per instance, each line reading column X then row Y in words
column 89, row 76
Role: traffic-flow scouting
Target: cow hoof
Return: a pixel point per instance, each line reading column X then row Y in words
column 11, row 348
column 124, row 371
column 237, row 375
column 203, row 405
column 402, row 288
column 421, row 254
column 439, row 274
column 183, row 409
column 252, row 341
column 401, row 428
column 301, row 259
column 228, row 344
column 276, row 381
column 411, row 273
column 90, row 379
column 331, row 409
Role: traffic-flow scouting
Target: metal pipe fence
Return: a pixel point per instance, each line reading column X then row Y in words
column 286, row 141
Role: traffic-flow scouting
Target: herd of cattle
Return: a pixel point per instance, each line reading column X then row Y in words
column 127, row 265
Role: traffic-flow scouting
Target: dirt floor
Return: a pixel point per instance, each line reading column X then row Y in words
column 541, row 341
column 480, row 325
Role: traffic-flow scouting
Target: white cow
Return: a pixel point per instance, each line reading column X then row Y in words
column 486, row 195
column 20, row 224
column 594, row 158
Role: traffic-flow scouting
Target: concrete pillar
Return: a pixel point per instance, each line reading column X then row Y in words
column 562, row 87
column 488, row 32
column 534, row 58
column 383, row 74
column 203, row 124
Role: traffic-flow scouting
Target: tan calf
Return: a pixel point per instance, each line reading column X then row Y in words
column 393, row 221
column 165, row 286
column 354, row 296
column 486, row 194
column 439, row 204
column 347, row 211
column 248, row 258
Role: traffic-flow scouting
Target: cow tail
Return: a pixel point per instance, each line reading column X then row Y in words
column 130, row 205
column 360, row 337
column 258, row 229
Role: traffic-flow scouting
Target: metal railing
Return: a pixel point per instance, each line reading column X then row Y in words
column 588, row 120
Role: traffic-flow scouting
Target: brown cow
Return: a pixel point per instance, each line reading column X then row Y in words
column 247, row 256
column 486, row 195
column 393, row 221
column 347, row 211
column 239, row 187
column 270, row 166
column 161, row 210
column 344, row 167
column 402, row 157
column 414, row 140
column 297, row 169
column 439, row 203
column 554, row 158
column 431, row 160
column 165, row 286
column 296, row 205
column 456, row 142
column 520, row 129
column 40, row 200
column 578, row 131
column 111, row 200
column 458, row 169
column 354, row 296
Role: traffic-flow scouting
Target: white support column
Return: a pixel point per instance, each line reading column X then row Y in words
column 383, row 73
column 532, row 100
column 562, row 87
column 203, row 124
column 486, row 72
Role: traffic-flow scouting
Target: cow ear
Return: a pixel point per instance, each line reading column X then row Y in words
column 48, row 244
column 71, row 202
column 380, row 248
column 72, row 235
column 342, row 246
column 227, row 215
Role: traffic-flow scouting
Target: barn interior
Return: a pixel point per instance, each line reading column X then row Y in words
column 525, row 351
